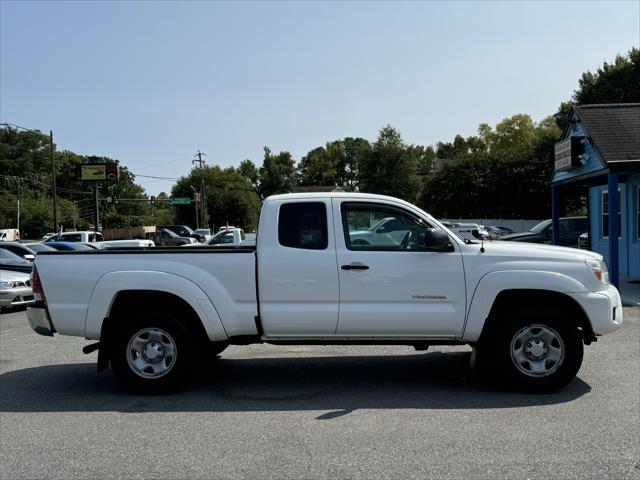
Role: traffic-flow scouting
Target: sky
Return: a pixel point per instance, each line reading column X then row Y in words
column 150, row 83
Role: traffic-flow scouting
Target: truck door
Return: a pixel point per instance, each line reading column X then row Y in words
column 399, row 289
column 297, row 270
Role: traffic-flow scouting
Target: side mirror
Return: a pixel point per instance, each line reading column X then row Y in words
column 29, row 257
column 436, row 240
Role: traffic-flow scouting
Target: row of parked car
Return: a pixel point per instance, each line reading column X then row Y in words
column 16, row 257
column 573, row 232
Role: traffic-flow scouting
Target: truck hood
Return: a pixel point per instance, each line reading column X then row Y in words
column 515, row 256
column 531, row 251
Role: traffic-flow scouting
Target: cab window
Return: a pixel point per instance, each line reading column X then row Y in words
column 371, row 227
column 303, row 225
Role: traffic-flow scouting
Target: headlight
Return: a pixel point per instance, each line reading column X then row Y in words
column 12, row 284
column 599, row 269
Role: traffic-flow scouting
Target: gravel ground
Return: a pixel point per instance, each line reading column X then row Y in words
column 315, row 412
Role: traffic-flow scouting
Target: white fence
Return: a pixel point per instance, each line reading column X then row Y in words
column 515, row 225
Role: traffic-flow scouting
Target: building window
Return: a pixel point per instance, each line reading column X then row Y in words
column 605, row 214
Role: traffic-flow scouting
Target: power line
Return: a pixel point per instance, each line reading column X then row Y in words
column 157, row 178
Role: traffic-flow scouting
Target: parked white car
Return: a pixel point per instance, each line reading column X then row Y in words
column 81, row 236
column 205, row 233
column 526, row 309
column 9, row 234
column 464, row 231
column 140, row 243
column 389, row 231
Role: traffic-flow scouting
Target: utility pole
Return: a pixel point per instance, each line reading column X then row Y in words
column 96, row 211
column 53, row 173
column 195, row 203
column 200, row 162
column 18, row 226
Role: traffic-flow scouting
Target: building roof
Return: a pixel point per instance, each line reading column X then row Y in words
column 614, row 130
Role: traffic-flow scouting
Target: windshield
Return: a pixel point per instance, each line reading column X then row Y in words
column 221, row 237
column 168, row 233
column 541, row 227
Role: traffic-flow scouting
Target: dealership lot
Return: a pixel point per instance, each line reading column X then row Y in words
column 313, row 412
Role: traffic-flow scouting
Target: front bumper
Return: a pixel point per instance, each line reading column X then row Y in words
column 15, row 297
column 604, row 309
column 39, row 321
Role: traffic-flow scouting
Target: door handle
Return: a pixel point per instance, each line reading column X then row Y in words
column 355, row 266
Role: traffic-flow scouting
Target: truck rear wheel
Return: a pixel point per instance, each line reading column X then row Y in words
column 154, row 355
column 539, row 349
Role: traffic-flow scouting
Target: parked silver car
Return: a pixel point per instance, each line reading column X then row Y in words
column 15, row 289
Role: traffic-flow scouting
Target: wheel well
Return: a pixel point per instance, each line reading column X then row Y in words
column 508, row 299
column 141, row 300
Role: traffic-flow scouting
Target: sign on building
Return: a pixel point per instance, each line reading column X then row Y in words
column 569, row 153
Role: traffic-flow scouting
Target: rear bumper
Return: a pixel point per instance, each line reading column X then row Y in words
column 603, row 308
column 39, row 321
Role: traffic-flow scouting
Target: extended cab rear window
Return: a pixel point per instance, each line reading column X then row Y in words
column 303, row 225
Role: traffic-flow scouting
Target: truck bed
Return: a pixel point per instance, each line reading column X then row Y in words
column 224, row 277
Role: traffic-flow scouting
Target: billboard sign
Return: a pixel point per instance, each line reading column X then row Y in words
column 96, row 172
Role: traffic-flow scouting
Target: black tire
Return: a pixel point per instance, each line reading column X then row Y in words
column 535, row 349
column 174, row 368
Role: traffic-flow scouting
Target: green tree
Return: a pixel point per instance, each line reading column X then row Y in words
column 503, row 172
column 317, row 168
column 356, row 150
column 249, row 171
column 391, row 168
column 25, row 160
column 617, row 82
column 277, row 173
column 228, row 198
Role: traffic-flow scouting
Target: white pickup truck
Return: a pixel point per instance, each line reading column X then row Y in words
column 526, row 309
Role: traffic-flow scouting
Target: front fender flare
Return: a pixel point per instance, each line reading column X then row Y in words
column 491, row 284
column 110, row 284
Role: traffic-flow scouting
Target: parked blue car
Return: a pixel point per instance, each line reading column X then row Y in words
column 66, row 246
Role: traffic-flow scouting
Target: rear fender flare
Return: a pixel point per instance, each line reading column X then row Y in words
column 110, row 284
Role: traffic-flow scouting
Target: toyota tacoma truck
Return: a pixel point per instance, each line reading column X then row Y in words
column 312, row 278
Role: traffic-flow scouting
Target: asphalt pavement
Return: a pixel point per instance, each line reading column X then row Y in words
column 315, row 412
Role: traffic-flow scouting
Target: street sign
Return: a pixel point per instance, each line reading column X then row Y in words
column 180, row 201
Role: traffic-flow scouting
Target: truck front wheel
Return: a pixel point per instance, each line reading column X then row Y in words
column 152, row 356
column 537, row 349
